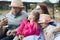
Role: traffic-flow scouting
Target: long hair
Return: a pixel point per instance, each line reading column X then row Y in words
column 44, row 8
column 36, row 14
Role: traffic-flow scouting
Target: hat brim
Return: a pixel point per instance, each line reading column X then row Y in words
column 45, row 22
column 16, row 6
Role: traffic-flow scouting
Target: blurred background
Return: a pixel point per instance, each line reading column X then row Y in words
column 53, row 7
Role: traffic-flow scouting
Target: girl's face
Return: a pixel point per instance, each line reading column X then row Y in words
column 44, row 25
column 31, row 17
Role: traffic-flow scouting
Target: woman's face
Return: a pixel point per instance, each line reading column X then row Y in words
column 44, row 25
column 39, row 10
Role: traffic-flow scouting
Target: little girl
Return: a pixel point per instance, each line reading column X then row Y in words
column 45, row 23
column 50, row 32
column 28, row 27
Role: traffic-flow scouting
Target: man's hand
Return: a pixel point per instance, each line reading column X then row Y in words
column 14, row 32
column 3, row 22
column 8, row 33
column 11, row 32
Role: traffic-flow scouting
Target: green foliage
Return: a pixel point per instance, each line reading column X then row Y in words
column 4, row 7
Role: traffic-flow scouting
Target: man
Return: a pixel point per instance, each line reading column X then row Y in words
column 13, row 18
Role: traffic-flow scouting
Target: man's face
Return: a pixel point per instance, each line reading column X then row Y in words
column 16, row 9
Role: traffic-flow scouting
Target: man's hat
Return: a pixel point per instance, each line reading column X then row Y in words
column 16, row 3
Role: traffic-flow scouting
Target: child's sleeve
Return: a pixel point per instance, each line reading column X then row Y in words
column 20, row 28
column 29, row 31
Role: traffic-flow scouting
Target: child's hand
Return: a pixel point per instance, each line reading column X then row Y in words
column 50, row 34
column 21, row 37
column 45, row 33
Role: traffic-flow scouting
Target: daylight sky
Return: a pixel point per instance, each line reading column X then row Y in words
column 52, row 1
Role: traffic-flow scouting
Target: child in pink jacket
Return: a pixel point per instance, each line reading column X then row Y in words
column 28, row 27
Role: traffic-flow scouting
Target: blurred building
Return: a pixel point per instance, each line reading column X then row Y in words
column 30, row 4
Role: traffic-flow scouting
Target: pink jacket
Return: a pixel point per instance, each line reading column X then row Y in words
column 27, row 29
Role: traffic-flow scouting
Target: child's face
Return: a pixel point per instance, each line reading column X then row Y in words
column 31, row 17
column 44, row 25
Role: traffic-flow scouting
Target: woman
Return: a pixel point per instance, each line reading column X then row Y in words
column 28, row 27
column 42, row 9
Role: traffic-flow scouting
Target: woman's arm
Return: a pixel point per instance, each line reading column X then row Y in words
column 48, row 35
column 56, row 29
